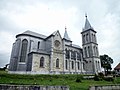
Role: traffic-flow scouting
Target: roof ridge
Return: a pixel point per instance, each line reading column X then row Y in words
column 34, row 34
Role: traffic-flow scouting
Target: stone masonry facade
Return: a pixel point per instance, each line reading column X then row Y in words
column 34, row 53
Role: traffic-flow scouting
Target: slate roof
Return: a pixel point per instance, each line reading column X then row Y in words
column 76, row 46
column 87, row 25
column 30, row 33
column 66, row 36
column 117, row 67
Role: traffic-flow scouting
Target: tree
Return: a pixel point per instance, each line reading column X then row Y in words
column 106, row 62
column 5, row 67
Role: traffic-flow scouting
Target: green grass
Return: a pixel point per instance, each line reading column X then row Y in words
column 66, row 80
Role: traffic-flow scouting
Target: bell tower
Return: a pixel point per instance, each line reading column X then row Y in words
column 91, row 58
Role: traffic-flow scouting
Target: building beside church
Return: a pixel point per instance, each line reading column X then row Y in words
column 34, row 53
column 117, row 69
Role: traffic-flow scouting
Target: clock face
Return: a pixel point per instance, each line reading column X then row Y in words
column 57, row 43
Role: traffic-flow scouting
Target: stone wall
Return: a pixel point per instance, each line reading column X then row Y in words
column 36, row 64
column 107, row 87
column 31, row 87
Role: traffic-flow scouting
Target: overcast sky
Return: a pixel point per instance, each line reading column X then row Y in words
column 47, row 16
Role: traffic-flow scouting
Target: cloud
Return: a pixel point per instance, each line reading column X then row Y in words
column 41, row 18
column 108, row 36
column 45, row 16
column 4, row 58
column 6, row 40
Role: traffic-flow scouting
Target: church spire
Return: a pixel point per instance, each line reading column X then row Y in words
column 87, row 24
column 66, row 35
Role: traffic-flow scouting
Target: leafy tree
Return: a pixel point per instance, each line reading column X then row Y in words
column 106, row 62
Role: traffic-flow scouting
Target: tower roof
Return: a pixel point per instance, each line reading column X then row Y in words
column 66, row 35
column 34, row 34
column 87, row 25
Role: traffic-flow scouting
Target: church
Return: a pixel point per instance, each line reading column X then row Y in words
column 34, row 53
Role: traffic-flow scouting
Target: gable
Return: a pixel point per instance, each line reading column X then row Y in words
column 57, row 41
column 117, row 67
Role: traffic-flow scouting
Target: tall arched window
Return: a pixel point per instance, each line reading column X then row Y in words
column 72, row 65
column 94, row 38
column 42, row 62
column 57, row 63
column 85, row 51
column 66, row 64
column 38, row 47
column 23, row 50
column 87, row 38
column 98, row 65
column 78, row 56
column 67, row 53
column 84, row 66
column 89, row 51
column 78, row 65
column 94, row 51
column 72, row 54
column 84, row 39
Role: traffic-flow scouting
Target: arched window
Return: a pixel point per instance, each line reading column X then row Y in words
column 85, row 51
column 67, row 53
column 89, row 51
column 83, row 38
column 94, row 38
column 38, row 47
column 84, row 66
column 72, row 64
column 72, row 54
column 66, row 64
column 87, row 38
column 94, row 51
column 23, row 50
column 98, row 65
column 78, row 56
column 42, row 62
column 57, row 63
column 78, row 65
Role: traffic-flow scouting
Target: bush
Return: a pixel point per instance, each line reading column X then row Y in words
column 108, row 79
column 78, row 79
column 96, row 77
column 101, row 76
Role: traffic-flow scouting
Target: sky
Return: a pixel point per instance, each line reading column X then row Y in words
column 47, row 16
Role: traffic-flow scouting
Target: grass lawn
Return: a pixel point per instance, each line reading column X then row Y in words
column 66, row 80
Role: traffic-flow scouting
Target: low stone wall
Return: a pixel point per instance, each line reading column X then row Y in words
column 31, row 87
column 107, row 87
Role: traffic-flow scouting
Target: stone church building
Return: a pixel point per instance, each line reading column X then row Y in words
column 34, row 53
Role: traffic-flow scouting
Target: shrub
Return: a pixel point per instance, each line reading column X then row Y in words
column 101, row 76
column 108, row 79
column 78, row 79
column 96, row 77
